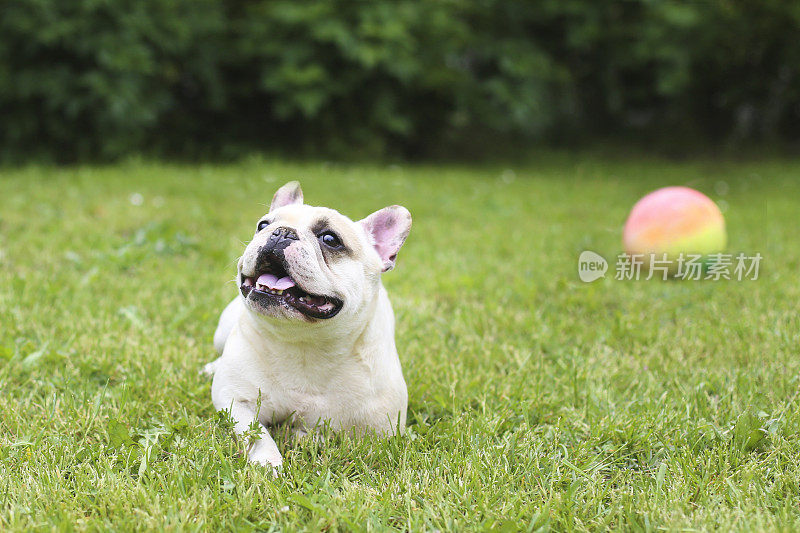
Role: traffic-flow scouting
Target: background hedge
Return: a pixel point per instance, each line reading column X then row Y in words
column 102, row 78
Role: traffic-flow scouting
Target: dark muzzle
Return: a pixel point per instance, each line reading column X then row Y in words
column 272, row 252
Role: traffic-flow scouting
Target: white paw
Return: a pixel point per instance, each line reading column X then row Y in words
column 209, row 369
column 265, row 455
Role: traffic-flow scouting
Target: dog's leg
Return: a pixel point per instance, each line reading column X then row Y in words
column 263, row 451
column 209, row 369
column 227, row 320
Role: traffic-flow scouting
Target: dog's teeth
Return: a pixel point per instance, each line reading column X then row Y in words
column 279, row 292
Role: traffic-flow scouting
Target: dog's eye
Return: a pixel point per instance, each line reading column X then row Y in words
column 330, row 239
column 261, row 225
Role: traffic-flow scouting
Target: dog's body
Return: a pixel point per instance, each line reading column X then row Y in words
column 310, row 338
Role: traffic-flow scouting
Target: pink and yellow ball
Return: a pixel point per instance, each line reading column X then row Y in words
column 674, row 220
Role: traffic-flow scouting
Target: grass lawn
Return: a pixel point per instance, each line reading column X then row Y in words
column 536, row 401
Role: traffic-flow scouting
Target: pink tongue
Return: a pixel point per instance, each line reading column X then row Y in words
column 283, row 283
column 267, row 279
column 274, row 283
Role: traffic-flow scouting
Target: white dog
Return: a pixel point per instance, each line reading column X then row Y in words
column 310, row 337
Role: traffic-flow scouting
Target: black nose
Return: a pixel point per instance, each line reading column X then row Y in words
column 284, row 233
column 272, row 251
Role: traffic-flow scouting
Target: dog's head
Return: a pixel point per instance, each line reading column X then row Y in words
column 313, row 263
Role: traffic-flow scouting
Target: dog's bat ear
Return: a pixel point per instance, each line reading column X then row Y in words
column 386, row 230
column 289, row 194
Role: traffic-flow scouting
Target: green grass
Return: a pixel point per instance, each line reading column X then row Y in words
column 536, row 400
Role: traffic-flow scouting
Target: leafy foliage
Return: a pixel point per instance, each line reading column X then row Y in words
column 93, row 78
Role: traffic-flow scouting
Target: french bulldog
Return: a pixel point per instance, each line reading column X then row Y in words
column 309, row 339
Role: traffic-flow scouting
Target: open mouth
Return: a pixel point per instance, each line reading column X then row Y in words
column 274, row 286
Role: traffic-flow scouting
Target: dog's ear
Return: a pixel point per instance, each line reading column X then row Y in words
column 289, row 194
column 386, row 230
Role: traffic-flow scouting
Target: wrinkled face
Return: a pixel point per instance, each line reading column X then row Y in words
column 308, row 263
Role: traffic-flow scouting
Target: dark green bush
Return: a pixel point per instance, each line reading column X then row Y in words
column 101, row 78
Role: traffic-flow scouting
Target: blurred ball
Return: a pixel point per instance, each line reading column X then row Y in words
column 674, row 220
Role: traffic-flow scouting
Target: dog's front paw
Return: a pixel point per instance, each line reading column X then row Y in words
column 265, row 456
column 209, row 370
